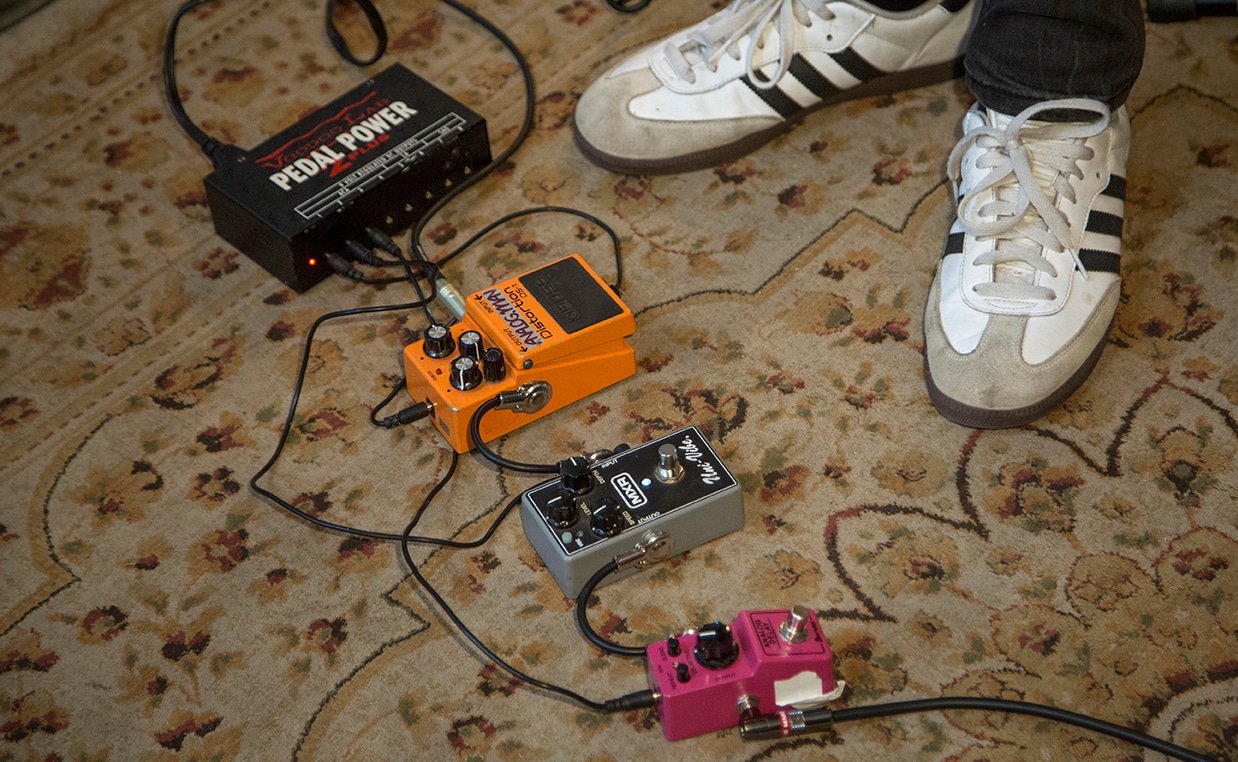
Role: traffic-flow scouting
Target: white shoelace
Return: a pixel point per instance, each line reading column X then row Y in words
column 1029, row 165
column 721, row 34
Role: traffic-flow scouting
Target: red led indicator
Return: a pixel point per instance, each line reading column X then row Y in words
column 312, row 261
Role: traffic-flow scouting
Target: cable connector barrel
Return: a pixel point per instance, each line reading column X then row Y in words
column 362, row 253
column 638, row 700
column 407, row 415
column 342, row 266
column 223, row 154
column 787, row 722
column 452, row 299
column 383, row 241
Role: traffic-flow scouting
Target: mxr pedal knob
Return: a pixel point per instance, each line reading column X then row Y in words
column 607, row 521
column 575, row 477
column 564, row 513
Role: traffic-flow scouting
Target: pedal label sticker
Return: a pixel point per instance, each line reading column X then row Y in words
column 523, row 324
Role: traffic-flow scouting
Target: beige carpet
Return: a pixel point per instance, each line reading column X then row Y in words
column 153, row 608
column 12, row 11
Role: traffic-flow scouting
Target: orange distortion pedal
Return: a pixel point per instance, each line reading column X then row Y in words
column 538, row 342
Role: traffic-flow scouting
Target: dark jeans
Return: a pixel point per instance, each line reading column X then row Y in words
column 1023, row 52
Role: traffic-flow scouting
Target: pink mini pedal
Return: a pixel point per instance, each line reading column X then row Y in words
column 772, row 659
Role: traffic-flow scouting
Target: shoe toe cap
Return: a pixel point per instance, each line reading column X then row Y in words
column 603, row 119
column 994, row 386
column 629, row 121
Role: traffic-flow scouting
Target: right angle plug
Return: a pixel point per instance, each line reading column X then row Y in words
column 651, row 548
column 526, row 398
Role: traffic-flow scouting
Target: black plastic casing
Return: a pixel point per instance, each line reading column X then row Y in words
column 379, row 156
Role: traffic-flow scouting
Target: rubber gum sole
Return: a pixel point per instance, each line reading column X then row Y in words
column 983, row 418
column 736, row 149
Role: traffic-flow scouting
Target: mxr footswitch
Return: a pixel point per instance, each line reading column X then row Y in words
column 665, row 497
column 557, row 333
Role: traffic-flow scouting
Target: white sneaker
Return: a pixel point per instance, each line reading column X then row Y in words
column 719, row 90
column 1028, row 283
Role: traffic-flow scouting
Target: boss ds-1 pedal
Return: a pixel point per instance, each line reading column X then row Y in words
column 555, row 335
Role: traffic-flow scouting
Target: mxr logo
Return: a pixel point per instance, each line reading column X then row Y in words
column 629, row 491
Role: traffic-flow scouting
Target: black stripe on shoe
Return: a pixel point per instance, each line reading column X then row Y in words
column 776, row 99
column 816, row 82
column 809, row 77
column 954, row 244
column 1097, row 261
column 856, row 66
column 1116, row 187
column 1104, row 223
column 953, row 6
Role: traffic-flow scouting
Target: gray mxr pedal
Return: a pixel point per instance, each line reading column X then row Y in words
column 642, row 504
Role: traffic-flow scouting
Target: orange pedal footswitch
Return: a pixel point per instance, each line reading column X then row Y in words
column 555, row 335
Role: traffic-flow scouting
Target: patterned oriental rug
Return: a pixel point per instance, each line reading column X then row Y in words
column 153, row 608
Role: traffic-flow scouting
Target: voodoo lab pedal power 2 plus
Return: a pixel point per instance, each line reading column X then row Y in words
column 668, row 495
column 548, row 337
column 379, row 156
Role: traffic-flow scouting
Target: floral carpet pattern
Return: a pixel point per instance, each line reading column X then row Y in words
column 153, row 608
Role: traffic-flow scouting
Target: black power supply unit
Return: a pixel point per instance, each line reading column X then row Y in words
column 379, row 156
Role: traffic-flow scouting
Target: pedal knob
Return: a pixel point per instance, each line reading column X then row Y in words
column 672, row 646
column 564, row 513
column 465, row 374
column 575, row 477
column 669, row 468
column 437, row 341
column 471, row 345
column 795, row 628
column 715, row 646
column 606, row 521
column 493, row 367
